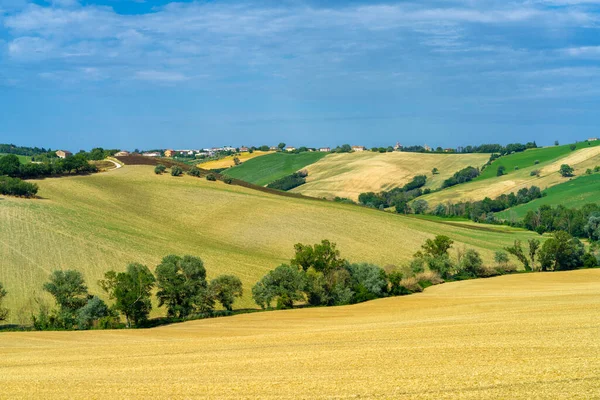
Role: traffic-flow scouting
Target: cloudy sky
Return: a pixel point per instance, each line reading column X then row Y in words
column 154, row 73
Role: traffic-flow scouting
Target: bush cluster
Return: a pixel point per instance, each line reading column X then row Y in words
column 289, row 182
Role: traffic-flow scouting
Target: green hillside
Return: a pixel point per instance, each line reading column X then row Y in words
column 22, row 159
column 104, row 221
column 266, row 169
column 528, row 158
column 573, row 194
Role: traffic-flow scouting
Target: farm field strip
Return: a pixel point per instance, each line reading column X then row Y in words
column 518, row 336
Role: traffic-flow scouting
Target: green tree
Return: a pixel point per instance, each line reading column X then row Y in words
column 236, row 160
column 471, row 263
column 180, row 281
column 284, row 284
column 194, row 171
column 534, row 246
column 435, row 171
column 323, row 257
column 501, row 170
column 281, row 146
column 572, row 146
column 517, row 250
column 68, row 289
column 437, row 247
column 3, row 311
column 501, row 258
column 561, row 252
column 91, row 312
column 159, row 169
column 10, row 165
column 420, row 206
column 176, row 171
column 211, row 177
column 225, row 289
column 131, row 291
column 592, row 227
column 566, row 170
column 368, row 281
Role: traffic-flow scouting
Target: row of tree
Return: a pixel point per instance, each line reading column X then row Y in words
column 290, row 181
column 11, row 166
column 180, row 283
column 483, row 210
column 583, row 222
column 397, row 197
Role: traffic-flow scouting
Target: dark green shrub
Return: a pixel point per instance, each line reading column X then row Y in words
column 211, row 177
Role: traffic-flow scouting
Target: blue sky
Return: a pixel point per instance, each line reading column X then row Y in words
column 146, row 74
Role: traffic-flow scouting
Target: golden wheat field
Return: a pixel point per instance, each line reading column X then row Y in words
column 227, row 161
column 350, row 174
column 494, row 187
column 526, row 336
column 104, row 221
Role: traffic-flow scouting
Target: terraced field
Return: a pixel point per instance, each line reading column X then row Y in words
column 513, row 337
column 350, row 174
column 574, row 193
column 264, row 170
column 227, row 162
column 104, row 221
column 493, row 187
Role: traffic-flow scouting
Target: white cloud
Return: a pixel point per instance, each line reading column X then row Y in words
column 584, row 51
column 160, row 76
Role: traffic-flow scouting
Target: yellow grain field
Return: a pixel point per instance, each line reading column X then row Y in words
column 529, row 336
column 104, row 221
column 494, row 187
column 350, row 174
column 227, row 162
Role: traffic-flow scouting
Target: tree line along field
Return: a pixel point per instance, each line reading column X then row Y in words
column 513, row 337
column 104, row 221
column 492, row 187
column 574, row 193
column 264, row 170
column 228, row 161
column 350, row 174
column 22, row 159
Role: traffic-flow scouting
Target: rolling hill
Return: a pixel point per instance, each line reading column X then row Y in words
column 227, row 162
column 513, row 337
column 350, row 174
column 574, row 193
column 264, row 170
column 104, row 221
column 493, row 187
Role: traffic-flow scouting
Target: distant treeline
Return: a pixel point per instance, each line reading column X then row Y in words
column 289, row 182
column 11, row 166
column 483, row 210
column 21, row 150
column 397, row 197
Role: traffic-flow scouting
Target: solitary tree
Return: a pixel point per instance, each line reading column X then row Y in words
column 180, row 281
column 501, row 170
column 159, row 169
column 566, row 170
column 435, row 171
column 3, row 311
column 225, row 289
column 131, row 291
column 176, row 171
column 534, row 246
column 281, row 146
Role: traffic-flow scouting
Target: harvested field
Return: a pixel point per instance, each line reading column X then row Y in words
column 513, row 337
column 350, row 174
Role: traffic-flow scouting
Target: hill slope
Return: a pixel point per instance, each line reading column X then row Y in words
column 495, row 186
column 574, row 193
column 104, row 221
column 227, row 162
column 350, row 174
column 513, row 337
column 264, row 170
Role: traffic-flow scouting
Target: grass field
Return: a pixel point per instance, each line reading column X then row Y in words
column 104, row 221
column 350, row 174
column 528, row 158
column 264, row 170
column 574, row 193
column 23, row 159
column 493, row 187
column 527, row 336
column 227, row 162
